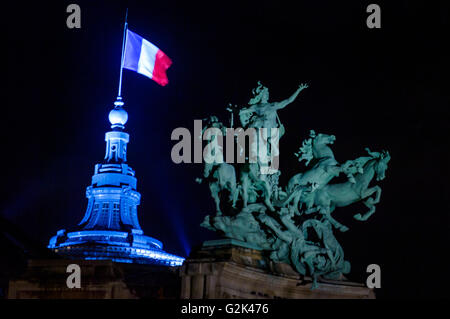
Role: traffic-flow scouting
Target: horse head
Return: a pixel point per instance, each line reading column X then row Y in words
column 322, row 139
column 320, row 148
column 382, row 165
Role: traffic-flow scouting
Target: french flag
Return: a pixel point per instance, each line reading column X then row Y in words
column 146, row 58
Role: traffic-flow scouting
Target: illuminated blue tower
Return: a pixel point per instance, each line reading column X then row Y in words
column 110, row 228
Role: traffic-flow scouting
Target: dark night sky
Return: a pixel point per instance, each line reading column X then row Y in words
column 383, row 89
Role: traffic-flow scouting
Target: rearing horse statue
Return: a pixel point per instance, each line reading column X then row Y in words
column 331, row 196
column 326, row 168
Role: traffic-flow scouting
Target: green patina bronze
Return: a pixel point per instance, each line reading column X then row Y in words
column 292, row 222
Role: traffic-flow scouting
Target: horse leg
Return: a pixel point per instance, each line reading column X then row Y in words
column 368, row 192
column 233, row 193
column 244, row 188
column 214, row 187
column 370, row 203
column 325, row 211
column 207, row 169
column 378, row 195
column 296, row 202
column 268, row 203
column 267, row 196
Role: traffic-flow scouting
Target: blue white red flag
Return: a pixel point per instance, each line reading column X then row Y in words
column 146, row 58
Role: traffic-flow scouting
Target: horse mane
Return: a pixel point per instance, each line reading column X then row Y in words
column 363, row 160
column 305, row 151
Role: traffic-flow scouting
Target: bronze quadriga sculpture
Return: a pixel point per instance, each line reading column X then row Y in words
column 293, row 222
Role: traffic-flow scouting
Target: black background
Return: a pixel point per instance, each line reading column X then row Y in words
column 379, row 88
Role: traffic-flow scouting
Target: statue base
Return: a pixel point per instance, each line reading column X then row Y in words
column 228, row 269
column 229, row 242
column 100, row 279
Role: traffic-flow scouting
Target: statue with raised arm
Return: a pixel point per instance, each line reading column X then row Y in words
column 263, row 114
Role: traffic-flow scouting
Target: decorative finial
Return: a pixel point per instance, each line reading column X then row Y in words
column 118, row 102
column 118, row 116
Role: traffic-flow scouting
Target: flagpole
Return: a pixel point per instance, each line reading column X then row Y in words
column 119, row 95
